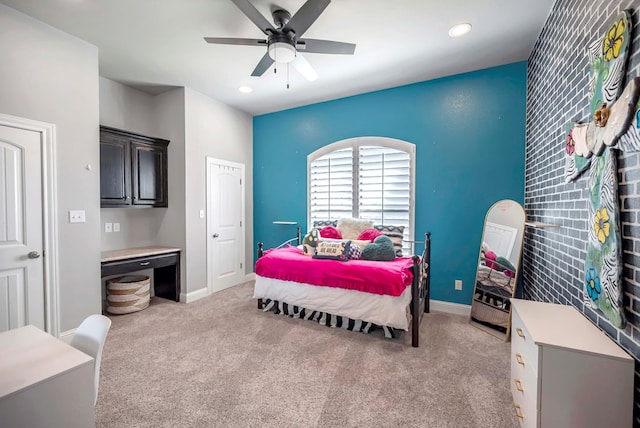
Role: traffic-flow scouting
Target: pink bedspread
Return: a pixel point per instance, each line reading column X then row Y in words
column 289, row 264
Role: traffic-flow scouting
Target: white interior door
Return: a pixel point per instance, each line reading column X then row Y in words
column 22, row 288
column 225, row 224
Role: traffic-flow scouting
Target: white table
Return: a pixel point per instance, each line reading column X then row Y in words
column 44, row 382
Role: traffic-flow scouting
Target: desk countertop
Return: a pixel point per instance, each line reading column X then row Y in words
column 129, row 253
column 29, row 356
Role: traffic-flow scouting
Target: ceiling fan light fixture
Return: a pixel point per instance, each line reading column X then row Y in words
column 459, row 30
column 282, row 52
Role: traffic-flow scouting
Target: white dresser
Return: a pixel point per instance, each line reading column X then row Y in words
column 565, row 372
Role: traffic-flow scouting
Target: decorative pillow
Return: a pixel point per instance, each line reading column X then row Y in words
column 335, row 250
column 319, row 224
column 355, row 253
column 354, row 242
column 504, row 264
column 330, row 232
column 310, row 242
column 381, row 249
column 351, row 228
column 369, row 235
column 359, row 243
column 489, row 259
column 395, row 233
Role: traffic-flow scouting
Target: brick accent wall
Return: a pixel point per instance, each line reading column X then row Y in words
column 557, row 93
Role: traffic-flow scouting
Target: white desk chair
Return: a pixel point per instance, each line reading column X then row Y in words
column 89, row 338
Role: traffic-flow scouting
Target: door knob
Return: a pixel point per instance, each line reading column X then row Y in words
column 33, row 255
column 215, row 235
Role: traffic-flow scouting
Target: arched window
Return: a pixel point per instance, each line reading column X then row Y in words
column 365, row 177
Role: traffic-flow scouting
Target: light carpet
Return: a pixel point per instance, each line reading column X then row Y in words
column 221, row 362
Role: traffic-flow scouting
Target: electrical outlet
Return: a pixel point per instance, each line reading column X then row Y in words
column 116, row 227
column 76, row 216
column 458, row 284
column 108, row 227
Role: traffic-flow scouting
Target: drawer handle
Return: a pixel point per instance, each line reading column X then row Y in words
column 520, row 332
column 519, row 359
column 519, row 412
column 518, row 385
column 145, row 263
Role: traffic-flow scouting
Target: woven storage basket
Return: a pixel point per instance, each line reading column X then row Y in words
column 127, row 294
column 487, row 313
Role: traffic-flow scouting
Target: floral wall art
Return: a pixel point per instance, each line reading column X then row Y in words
column 590, row 146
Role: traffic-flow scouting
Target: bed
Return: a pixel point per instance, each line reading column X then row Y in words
column 358, row 295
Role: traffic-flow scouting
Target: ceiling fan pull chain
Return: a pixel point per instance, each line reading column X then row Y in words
column 287, row 75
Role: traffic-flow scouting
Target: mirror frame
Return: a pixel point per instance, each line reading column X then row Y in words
column 518, row 244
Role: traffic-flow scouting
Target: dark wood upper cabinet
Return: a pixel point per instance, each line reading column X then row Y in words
column 133, row 169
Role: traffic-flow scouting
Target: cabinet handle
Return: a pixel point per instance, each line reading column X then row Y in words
column 520, row 332
column 519, row 359
column 145, row 263
column 519, row 412
column 518, row 385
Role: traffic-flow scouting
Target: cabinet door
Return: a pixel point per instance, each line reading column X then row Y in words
column 115, row 178
column 149, row 174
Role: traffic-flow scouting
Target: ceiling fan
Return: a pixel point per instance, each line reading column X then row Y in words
column 284, row 41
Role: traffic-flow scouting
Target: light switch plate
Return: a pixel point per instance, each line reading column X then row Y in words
column 201, row 213
column 116, row 227
column 108, row 227
column 76, row 216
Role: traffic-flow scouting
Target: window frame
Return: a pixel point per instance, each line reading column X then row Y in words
column 354, row 144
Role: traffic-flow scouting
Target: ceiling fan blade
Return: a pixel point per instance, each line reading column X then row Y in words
column 263, row 65
column 325, row 46
column 306, row 15
column 255, row 16
column 302, row 65
column 235, row 41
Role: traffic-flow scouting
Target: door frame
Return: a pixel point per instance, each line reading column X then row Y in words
column 50, row 278
column 210, row 161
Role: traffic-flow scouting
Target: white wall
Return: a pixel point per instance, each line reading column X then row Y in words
column 127, row 108
column 50, row 76
column 168, row 115
column 216, row 130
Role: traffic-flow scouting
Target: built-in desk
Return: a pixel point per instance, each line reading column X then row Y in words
column 165, row 262
column 44, row 382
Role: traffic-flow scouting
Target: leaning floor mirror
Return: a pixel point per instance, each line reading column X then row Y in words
column 498, row 266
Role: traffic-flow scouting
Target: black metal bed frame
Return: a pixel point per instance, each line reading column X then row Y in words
column 420, row 286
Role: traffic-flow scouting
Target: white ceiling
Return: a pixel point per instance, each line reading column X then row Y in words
column 155, row 45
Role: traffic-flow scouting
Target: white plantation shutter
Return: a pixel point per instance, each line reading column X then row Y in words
column 331, row 185
column 363, row 178
column 384, row 184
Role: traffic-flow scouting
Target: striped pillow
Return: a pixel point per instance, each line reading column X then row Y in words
column 395, row 233
column 319, row 224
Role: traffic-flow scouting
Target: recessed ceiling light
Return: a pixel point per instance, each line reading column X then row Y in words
column 460, row 29
column 245, row 89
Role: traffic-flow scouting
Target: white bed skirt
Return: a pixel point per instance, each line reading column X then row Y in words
column 379, row 309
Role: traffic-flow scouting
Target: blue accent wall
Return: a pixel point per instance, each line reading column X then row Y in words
column 469, row 132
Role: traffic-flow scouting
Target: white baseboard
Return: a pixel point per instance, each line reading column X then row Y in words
column 451, row 308
column 194, row 295
column 250, row 277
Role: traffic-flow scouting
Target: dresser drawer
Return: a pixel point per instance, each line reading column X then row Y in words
column 525, row 409
column 522, row 345
column 525, row 385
